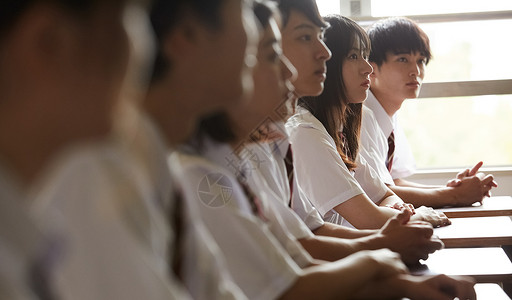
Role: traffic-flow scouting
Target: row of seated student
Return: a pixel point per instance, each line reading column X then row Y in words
column 188, row 149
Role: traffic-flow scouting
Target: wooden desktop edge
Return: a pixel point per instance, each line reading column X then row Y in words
column 476, row 242
column 476, row 213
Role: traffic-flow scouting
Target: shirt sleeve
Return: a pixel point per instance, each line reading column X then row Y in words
column 102, row 257
column 203, row 266
column 371, row 183
column 284, row 224
column 374, row 146
column 321, row 173
column 305, row 210
column 257, row 262
column 288, row 229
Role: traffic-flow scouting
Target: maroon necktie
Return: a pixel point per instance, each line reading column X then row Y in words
column 391, row 151
column 288, row 161
column 176, row 221
column 254, row 201
column 40, row 270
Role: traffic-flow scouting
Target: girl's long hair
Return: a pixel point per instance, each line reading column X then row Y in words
column 332, row 108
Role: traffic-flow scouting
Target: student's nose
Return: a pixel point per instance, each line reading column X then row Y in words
column 415, row 70
column 367, row 68
column 323, row 52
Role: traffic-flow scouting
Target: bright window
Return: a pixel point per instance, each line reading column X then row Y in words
column 459, row 131
column 469, row 50
column 328, row 7
column 414, row 7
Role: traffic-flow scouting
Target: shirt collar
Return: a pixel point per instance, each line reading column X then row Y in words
column 281, row 145
column 304, row 118
column 221, row 154
column 386, row 123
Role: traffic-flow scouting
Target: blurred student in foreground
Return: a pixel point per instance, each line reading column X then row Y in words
column 64, row 64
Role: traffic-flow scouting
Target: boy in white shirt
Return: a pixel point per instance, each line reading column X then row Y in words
column 400, row 51
column 204, row 50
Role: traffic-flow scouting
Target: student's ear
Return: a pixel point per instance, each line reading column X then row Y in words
column 45, row 37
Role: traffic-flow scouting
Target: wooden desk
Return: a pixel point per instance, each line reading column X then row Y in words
column 490, row 291
column 487, row 291
column 485, row 265
column 493, row 206
column 476, row 232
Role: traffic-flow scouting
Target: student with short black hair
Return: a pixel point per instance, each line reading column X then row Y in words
column 400, row 52
column 204, row 55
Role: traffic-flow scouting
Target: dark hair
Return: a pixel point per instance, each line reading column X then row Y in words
column 306, row 7
column 218, row 125
column 264, row 10
column 332, row 107
column 166, row 14
column 11, row 10
column 397, row 35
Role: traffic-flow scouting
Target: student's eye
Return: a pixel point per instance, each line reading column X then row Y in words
column 422, row 61
column 352, row 56
column 402, row 59
column 305, row 37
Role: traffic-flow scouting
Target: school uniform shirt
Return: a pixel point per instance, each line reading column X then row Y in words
column 258, row 263
column 20, row 241
column 322, row 176
column 376, row 127
column 284, row 224
column 201, row 266
column 269, row 158
column 95, row 201
column 204, row 270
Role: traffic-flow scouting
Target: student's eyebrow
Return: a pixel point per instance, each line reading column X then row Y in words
column 304, row 26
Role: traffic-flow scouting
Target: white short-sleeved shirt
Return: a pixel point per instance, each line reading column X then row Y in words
column 203, row 269
column 322, row 176
column 282, row 221
column 20, row 241
column 375, row 129
column 270, row 161
column 257, row 261
column 91, row 200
